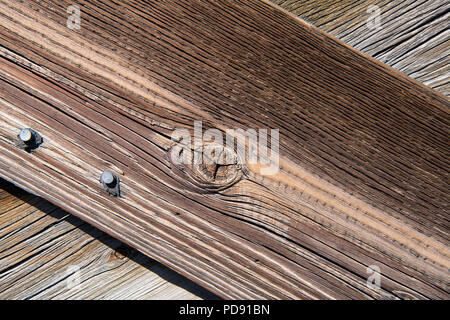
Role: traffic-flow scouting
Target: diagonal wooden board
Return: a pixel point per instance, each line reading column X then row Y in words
column 140, row 282
column 286, row 231
column 132, row 274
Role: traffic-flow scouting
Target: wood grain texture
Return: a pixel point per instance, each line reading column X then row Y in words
column 413, row 36
column 363, row 149
column 420, row 61
column 42, row 248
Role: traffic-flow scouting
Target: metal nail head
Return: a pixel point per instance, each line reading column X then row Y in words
column 107, row 178
column 111, row 183
column 29, row 139
column 25, row 135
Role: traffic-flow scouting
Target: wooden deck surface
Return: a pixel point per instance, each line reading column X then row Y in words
column 39, row 243
column 44, row 249
column 413, row 36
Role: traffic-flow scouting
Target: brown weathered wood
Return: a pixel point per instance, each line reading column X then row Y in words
column 362, row 168
column 427, row 63
column 43, row 251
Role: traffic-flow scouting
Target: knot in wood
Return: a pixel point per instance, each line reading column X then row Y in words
column 214, row 167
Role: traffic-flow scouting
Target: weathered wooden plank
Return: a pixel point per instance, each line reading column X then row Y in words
column 418, row 61
column 263, row 236
column 412, row 36
column 45, row 253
